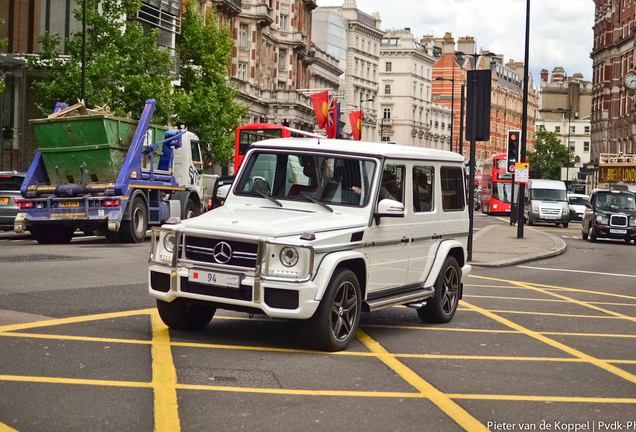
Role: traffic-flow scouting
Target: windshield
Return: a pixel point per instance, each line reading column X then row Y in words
column 503, row 191
column 614, row 201
column 11, row 182
column 308, row 177
column 578, row 200
column 548, row 194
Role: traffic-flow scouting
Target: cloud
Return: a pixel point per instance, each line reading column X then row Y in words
column 560, row 31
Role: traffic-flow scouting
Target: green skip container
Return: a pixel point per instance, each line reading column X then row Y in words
column 95, row 145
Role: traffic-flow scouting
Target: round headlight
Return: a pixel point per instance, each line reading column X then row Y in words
column 599, row 219
column 168, row 242
column 289, row 256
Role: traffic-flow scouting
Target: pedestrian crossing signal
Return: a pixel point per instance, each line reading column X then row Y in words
column 513, row 149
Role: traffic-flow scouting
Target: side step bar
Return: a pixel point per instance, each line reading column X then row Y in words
column 398, row 299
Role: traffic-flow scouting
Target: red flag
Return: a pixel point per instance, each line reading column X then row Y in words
column 320, row 102
column 356, row 124
column 332, row 117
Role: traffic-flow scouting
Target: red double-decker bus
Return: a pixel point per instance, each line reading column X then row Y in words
column 496, row 185
column 246, row 135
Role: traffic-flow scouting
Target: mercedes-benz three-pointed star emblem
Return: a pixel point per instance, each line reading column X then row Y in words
column 222, row 252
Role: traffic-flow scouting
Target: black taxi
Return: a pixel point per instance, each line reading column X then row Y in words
column 610, row 213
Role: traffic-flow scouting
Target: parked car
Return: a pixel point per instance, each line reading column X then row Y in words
column 611, row 213
column 10, row 183
column 577, row 205
column 319, row 234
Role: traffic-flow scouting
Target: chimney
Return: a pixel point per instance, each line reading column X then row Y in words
column 448, row 43
column 466, row 44
column 558, row 74
column 544, row 75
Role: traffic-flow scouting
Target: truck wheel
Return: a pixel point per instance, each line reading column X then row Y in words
column 191, row 210
column 442, row 306
column 530, row 222
column 334, row 324
column 113, row 236
column 134, row 230
column 182, row 314
column 565, row 225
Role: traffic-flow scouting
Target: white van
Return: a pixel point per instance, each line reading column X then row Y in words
column 363, row 227
column 546, row 201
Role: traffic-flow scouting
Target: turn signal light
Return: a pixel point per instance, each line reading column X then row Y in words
column 25, row 204
column 111, row 203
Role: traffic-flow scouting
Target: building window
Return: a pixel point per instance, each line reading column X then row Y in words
column 387, row 89
column 242, row 71
column 386, row 139
column 284, row 22
column 389, row 65
column 586, row 146
column 243, row 35
column 572, row 129
column 436, row 124
column 282, row 59
column 572, row 145
column 443, row 125
column 587, row 129
column 387, row 113
column 557, row 129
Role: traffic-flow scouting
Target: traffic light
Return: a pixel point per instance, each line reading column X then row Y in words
column 514, row 136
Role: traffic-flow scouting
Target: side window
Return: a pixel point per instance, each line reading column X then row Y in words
column 423, row 187
column 452, row 188
column 392, row 186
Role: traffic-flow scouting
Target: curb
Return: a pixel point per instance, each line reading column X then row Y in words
column 559, row 247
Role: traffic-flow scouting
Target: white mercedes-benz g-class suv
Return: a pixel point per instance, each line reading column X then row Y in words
column 321, row 231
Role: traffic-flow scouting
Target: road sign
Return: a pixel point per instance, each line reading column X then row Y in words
column 522, row 171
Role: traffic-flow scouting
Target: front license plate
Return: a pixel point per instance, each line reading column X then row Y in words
column 69, row 204
column 215, row 278
column 4, row 200
column 551, row 217
column 617, row 231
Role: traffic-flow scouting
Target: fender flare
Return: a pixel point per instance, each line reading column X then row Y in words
column 134, row 194
column 356, row 261
column 444, row 249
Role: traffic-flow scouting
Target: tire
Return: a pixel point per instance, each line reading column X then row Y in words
column 52, row 234
column 566, row 224
column 442, row 306
column 40, row 233
column 190, row 210
column 335, row 322
column 134, row 230
column 182, row 314
column 530, row 222
column 592, row 233
column 583, row 235
column 628, row 240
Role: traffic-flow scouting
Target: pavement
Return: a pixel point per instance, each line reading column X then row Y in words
column 498, row 246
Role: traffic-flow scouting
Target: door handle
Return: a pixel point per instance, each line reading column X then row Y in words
column 404, row 240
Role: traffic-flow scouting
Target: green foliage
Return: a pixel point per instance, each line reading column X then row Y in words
column 124, row 67
column 549, row 155
column 206, row 101
column 3, row 44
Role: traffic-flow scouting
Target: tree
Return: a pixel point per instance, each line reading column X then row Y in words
column 124, row 67
column 3, row 43
column 550, row 154
column 207, row 101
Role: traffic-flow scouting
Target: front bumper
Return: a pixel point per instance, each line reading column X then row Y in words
column 540, row 217
column 615, row 232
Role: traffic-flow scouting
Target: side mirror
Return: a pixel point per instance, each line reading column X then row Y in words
column 223, row 191
column 588, row 205
column 389, row 208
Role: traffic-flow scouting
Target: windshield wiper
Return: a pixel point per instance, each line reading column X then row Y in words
column 320, row 203
column 272, row 199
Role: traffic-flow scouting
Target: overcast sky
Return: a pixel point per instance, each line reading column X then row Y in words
column 560, row 31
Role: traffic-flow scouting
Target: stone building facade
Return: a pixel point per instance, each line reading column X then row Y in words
column 566, row 105
column 360, row 59
column 612, row 119
column 407, row 115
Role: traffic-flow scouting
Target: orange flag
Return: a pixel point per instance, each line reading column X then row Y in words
column 320, row 101
column 356, row 124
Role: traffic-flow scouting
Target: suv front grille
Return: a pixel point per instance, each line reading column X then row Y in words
column 231, row 253
column 618, row 220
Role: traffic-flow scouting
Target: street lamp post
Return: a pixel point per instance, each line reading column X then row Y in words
column 452, row 105
column 567, row 146
column 362, row 114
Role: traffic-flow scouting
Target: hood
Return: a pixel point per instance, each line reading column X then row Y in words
column 273, row 221
column 555, row 204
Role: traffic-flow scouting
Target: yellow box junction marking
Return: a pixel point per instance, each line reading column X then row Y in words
column 164, row 379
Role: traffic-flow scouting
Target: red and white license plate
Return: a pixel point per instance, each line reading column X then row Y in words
column 215, row 278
